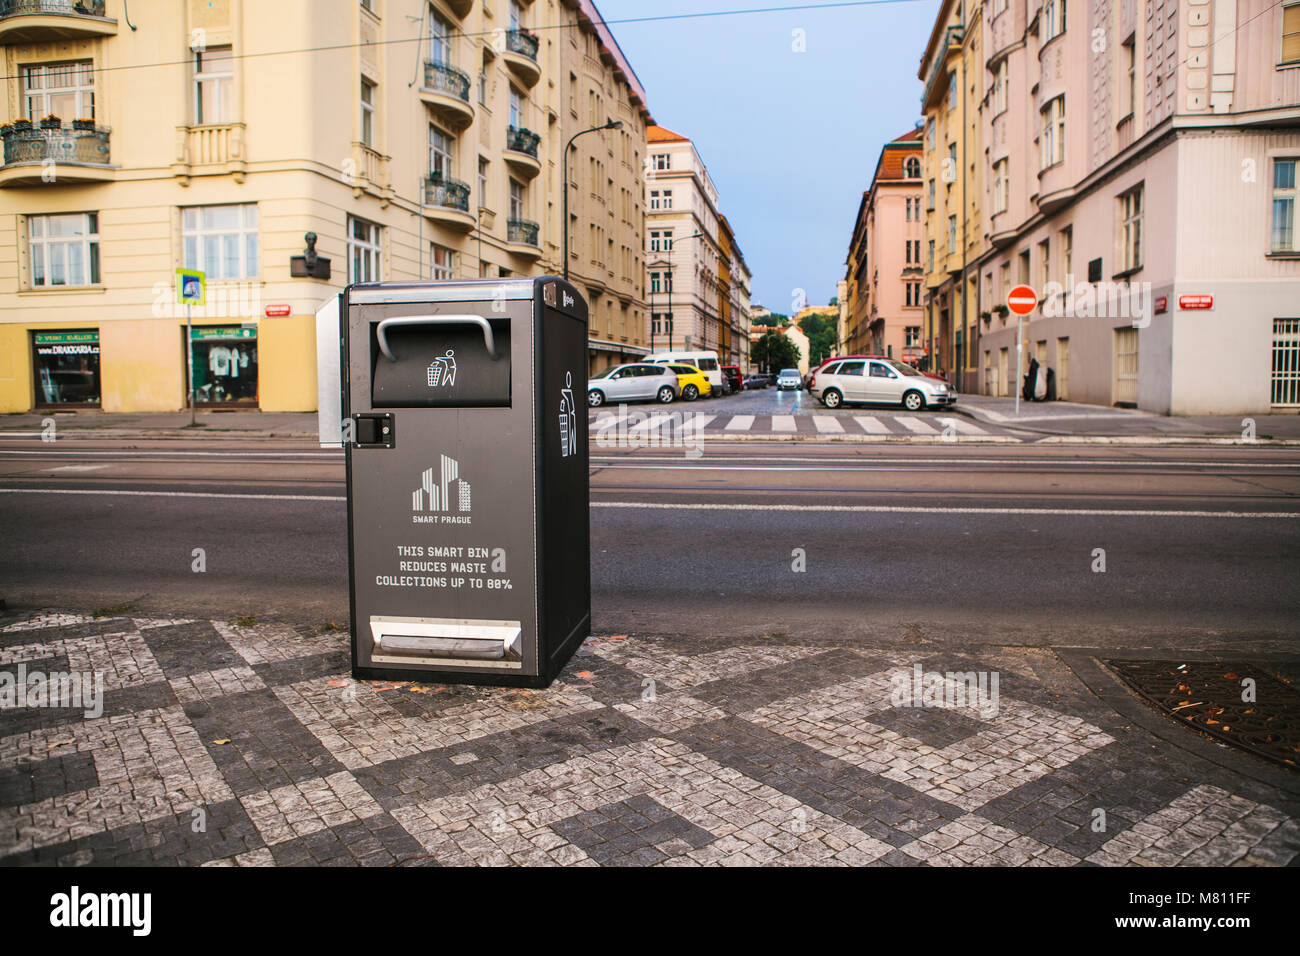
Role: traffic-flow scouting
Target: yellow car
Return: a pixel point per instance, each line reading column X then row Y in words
column 692, row 381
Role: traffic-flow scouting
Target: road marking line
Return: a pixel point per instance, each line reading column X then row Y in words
column 961, row 425
column 783, row 423
column 76, row 468
column 740, row 423
column 166, row 494
column 915, row 425
column 925, row 460
column 872, row 425
column 906, row 509
column 695, row 423
column 828, row 424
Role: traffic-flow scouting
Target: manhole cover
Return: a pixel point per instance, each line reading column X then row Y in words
column 1208, row 695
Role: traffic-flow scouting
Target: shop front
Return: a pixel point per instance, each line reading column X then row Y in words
column 66, row 368
column 225, row 365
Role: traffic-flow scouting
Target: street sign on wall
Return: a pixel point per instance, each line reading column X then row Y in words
column 1196, row 302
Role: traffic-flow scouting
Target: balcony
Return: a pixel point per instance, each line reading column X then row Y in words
column 521, row 238
column 1056, row 188
column 446, row 92
column 36, row 155
column 461, row 7
column 521, row 151
column 210, row 150
column 520, row 56
column 38, row 21
column 951, row 46
column 446, row 201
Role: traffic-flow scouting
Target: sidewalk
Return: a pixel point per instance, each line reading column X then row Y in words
column 233, row 424
column 220, row 744
column 1077, row 420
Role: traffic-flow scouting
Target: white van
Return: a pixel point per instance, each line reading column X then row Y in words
column 706, row 362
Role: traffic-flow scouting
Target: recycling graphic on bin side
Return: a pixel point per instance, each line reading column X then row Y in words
column 469, row 556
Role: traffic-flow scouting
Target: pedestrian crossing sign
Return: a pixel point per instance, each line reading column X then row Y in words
column 189, row 286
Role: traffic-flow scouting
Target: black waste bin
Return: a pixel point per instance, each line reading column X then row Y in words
column 467, row 478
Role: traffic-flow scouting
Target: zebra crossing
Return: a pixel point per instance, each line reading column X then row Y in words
column 831, row 427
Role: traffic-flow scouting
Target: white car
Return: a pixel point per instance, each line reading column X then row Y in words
column 882, row 381
column 632, row 383
column 789, row 378
column 706, row 362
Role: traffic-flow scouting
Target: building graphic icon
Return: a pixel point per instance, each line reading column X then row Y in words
column 568, row 419
column 443, row 370
column 450, row 491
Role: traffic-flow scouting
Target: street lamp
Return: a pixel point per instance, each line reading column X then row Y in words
column 612, row 124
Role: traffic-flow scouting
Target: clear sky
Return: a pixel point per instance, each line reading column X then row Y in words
column 790, row 139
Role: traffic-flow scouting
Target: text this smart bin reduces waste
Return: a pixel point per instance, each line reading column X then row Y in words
column 468, row 515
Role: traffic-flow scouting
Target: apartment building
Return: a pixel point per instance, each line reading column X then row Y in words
column 885, row 276
column 684, row 248
column 952, row 69
column 733, row 298
column 1139, row 172
column 417, row 140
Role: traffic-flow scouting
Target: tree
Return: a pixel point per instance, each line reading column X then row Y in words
column 774, row 352
column 822, row 329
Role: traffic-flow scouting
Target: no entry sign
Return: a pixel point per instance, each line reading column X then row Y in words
column 1022, row 300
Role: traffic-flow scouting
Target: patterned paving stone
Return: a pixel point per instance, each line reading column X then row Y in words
column 252, row 746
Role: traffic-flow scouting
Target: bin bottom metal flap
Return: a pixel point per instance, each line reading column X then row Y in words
column 445, row 640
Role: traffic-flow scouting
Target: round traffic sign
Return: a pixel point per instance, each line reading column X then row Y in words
column 1021, row 300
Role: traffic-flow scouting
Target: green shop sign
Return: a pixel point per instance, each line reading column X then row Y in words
column 201, row 332
column 67, row 338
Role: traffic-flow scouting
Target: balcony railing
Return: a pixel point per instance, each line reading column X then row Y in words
column 522, row 42
column 71, row 146
column 952, row 37
column 522, row 140
column 446, row 193
column 71, row 8
column 522, row 231
column 446, row 79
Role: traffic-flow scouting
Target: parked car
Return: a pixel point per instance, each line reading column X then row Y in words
column 755, row 381
column 731, row 375
column 879, row 381
column 706, row 362
column 789, row 378
column 631, row 383
column 692, row 382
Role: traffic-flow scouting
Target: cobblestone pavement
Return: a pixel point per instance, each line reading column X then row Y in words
column 227, row 745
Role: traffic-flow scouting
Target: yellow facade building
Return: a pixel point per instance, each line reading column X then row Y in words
column 411, row 139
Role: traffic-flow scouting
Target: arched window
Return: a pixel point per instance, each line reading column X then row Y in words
column 912, row 167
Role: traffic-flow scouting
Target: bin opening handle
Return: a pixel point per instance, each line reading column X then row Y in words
column 382, row 331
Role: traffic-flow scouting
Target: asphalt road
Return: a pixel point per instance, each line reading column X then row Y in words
column 974, row 544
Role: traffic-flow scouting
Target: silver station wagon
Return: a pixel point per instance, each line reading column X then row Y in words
column 879, row 381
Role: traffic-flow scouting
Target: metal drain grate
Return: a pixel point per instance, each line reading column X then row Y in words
column 1208, row 696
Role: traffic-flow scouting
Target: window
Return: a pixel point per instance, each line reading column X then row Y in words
column 929, row 134
column 950, row 172
column 1023, row 263
column 1067, row 253
column 573, row 93
column 213, row 86
column 952, row 234
column 64, row 249
column 363, row 251
column 912, row 167
column 661, row 161
column 482, row 85
column 65, row 90
column 1000, row 86
column 482, row 182
column 440, row 152
column 912, row 291
column 1130, row 208
column 1053, row 18
column 516, row 109
column 930, row 207
column 1128, row 90
column 517, row 199
column 911, row 336
column 1284, row 196
column 441, row 262
column 367, row 113
column 1001, row 187
column 851, row 368
column 439, row 38
column 1053, row 144
column 1291, row 33
column 931, row 255
column 220, row 240
column 1045, row 260
column 661, row 241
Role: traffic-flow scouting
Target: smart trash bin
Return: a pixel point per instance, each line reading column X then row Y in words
column 468, row 518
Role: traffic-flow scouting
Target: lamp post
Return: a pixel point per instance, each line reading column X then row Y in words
column 612, row 124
